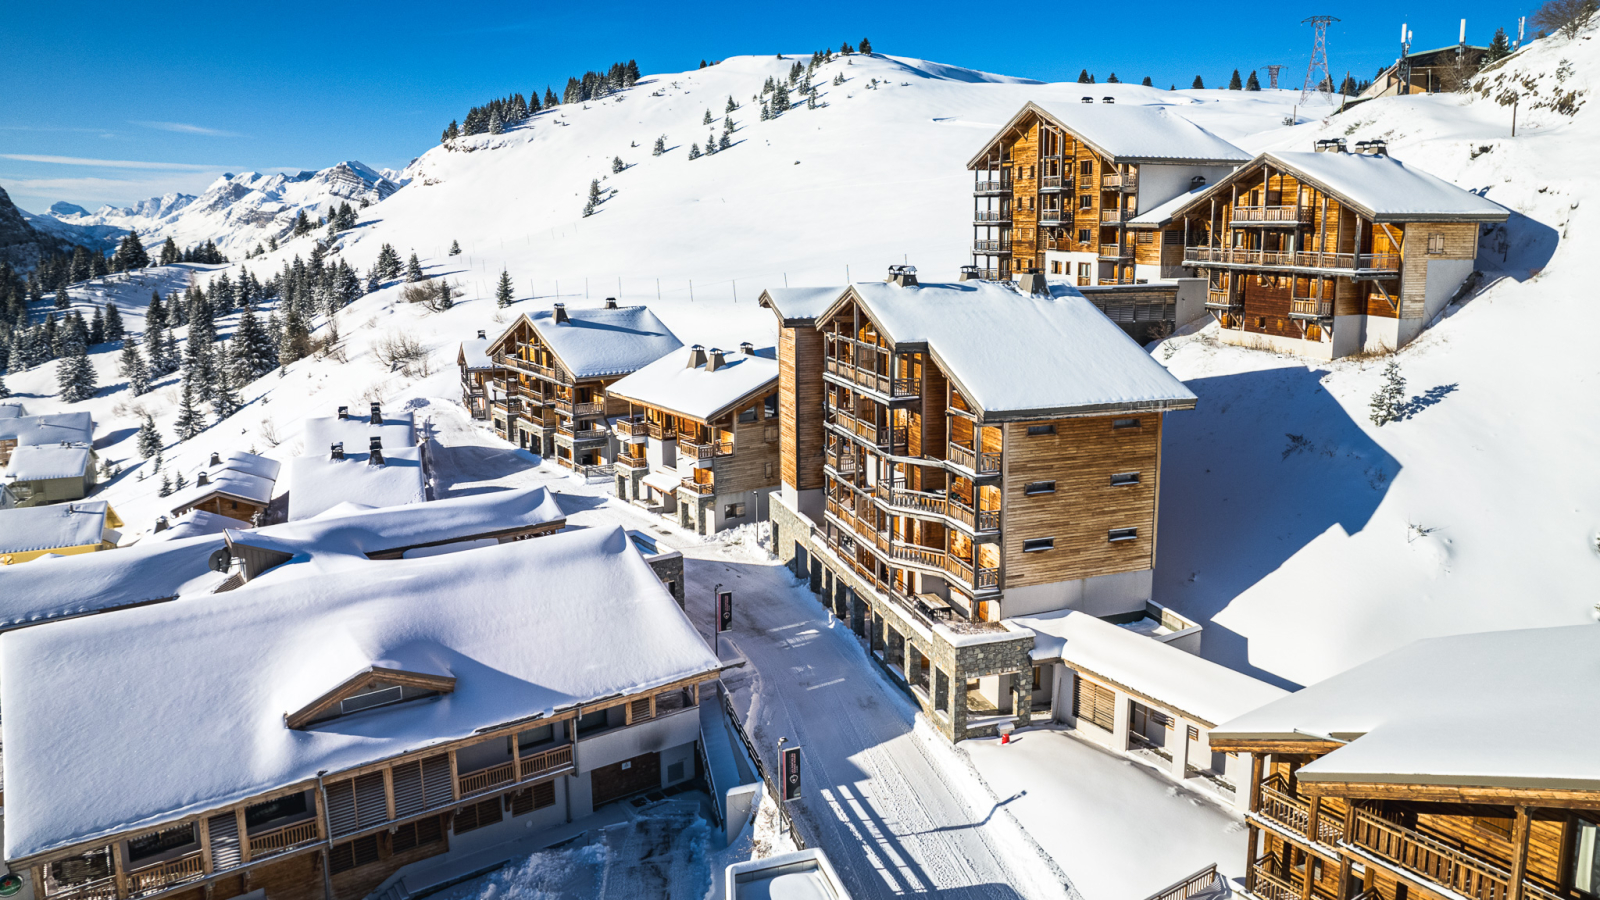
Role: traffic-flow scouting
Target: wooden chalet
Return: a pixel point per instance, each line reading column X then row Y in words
column 239, row 486
column 549, row 393
column 699, row 437
column 954, row 492
column 1457, row 767
column 308, row 738
column 478, row 371
column 1330, row 253
column 1054, row 190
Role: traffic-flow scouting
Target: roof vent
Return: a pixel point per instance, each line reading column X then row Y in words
column 375, row 456
column 697, row 357
column 1374, row 147
column 969, row 273
column 1032, row 283
column 377, row 415
column 481, row 335
column 560, row 311
column 161, row 524
column 1197, row 182
column 904, row 276
column 344, row 412
column 716, row 362
column 201, row 480
column 747, row 348
column 611, row 303
column 1331, row 145
column 1088, row 99
column 1108, row 99
column 337, row 450
column 216, row 459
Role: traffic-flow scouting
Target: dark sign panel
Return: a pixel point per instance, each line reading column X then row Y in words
column 724, row 611
column 791, row 773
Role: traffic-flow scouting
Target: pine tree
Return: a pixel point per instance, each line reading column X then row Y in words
column 451, row 132
column 170, row 253
column 727, row 124
column 114, row 328
column 62, row 300
column 1198, row 84
column 866, row 46
column 660, row 147
column 413, row 269
column 1499, row 47
column 616, row 165
column 707, row 119
column 502, row 293
column 765, row 113
column 149, row 438
column 1113, row 79
column 75, row 375
column 694, row 153
column 1234, row 84
column 711, row 143
column 496, row 126
column 455, row 248
column 1252, row 83
column 133, row 368
column 224, row 399
column 295, row 342
column 588, row 209
column 178, row 481
column 1146, row 82
column 780, row 100
column 724, row 142
column 1388, row 403
column 166, row 486
column 170, row 357
column 302, row 224
column 594, row 191
column 4, row 391
column 1084, row 77
column 97, row 327
column 253, row 355
column 731, row 105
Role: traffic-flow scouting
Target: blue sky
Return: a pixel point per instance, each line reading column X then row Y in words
column 114, row 102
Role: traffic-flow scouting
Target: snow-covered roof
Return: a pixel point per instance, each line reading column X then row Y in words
column 475, row 354
column 94, row 582
column 1417, row 715
column 356, row 432
column 1019, row 356
column 51, row 428
column 669, row 383
column 44, row 462
column 1385, row 189
column 1172, row 677
column 73, row 524
column 599, row 342
column 801, row 304
column 1131, row 133
column 526, row 628
column 250, row 464
column 1163, row 213
column 318, row 483
column 12, row 410
column 225, row 482
column 196, row 523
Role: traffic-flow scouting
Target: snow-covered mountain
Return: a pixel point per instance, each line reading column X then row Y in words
column 236, row 211
column 1304, row 537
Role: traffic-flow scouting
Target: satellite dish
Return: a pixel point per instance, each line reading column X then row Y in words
column 220, row 560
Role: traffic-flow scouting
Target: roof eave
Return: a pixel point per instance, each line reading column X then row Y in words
column 995, row 417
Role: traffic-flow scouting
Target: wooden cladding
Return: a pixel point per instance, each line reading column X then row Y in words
column 421, row 784
column 357, row 803
column 1095, row 703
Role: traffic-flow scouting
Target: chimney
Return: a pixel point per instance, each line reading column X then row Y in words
column 1374, row 147
column 1032, row 282
column 481, row 335
column 747, row 348
column 201, row 480
column 716, row 362
column 1197, row 182
column 560, row 310
column 1331, row 145
column 969, row 273
column 375, row 452
column 1108, row 99
column 697, row 357
column 344, row 412
column 611, row 303
column 904, row 276
column 337, row 450
column 377, row 415
column 216, row 459
column 1088, row 100
column 161, row 524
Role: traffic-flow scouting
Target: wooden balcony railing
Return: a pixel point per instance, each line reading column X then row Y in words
column 1268, row 886
column 1119, row 182
column 843, row 463
column 1055, row 183
column 1052, row 217
column 555, row 373
column 484, row 779
column 989, row 274
column 991, row 187
column 546, row 761
column 706, row 450
column 624, row 461
column 1436, row 861
column 1294, row 813
column 989, row 216
column 1222, row 300
column 1304, row 259
column 630, row 427
column 1311, row 308
column 1113, row 216
column 999, row 246
column 1188, row 887
column 702, row 488
column 1255, row 215
column 1116, row 251
column 268, row 843
column 978, row 579
column 967, row 458
column 596, row 408
column 163, row 875
column 895, row 494
column 662, row 432
column 104, row 889
column 926, row 556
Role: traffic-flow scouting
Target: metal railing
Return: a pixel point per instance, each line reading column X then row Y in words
column 991, row 187
column 1002, row 246
column 989, row 215
column 761, row 769
column 1293, row 215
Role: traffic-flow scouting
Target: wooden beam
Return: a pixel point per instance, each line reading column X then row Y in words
column 1255, row 779
column 1446, row 793
column 1344, row 858
column 1254, row 835
column 1307, row 747
column 1519, row 854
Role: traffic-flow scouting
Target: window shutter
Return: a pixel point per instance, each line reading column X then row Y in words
column 1096, row 703
column 408, row 797
column 544, row 794
column 342, row 808
column 640, row 710
column 371, row 808
column 436, row 781
column 224, row 842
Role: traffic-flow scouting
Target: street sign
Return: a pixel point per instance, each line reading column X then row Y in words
column 724, row 611
column 791, row 773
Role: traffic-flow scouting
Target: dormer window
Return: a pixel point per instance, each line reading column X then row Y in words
column 371, row 688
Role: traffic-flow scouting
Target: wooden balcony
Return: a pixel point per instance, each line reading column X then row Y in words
column 163, row 875
column 699, row 488
column 967, row 458
column 992, row 247
column 484, row 779
column 1055, row 183
column 545, row 762
column 1286, row 259
column 982, row 579
column 932, row 557
column 280, row 840
column 1437, row 862
column 1294, row 813
column 1271, row 215
column 1221, row 300
column 1114, row 216
column 103, row 889
column 630, row 427
column 976, row 520
column 629, row 463
column 707, row 450
column 990, row 188
column 662, row 431
column 517, row 363
column 581, row 435
column 843, row 463
column 596, row 408
column 1116, row 251
column 990, row 217
column 1119, row 182
column 897, row 497
column 1053, row 216
column 1267, row 885
column 1310, row 308
column 896, row 388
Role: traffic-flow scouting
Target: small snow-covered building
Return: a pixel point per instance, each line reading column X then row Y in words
column 38, row 474
column 314, row 484
column 229, row 492
column 556, row 365
column 313, row 735
column 51, row 429
column 63, row 529
column 356, row 432
column 1327, row 253
column 699, row 439
column 478, row 372
column 1459, row 766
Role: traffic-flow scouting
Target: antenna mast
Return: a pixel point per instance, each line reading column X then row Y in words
column 1272, row 72
column 1322, row 87
column 1402, row 67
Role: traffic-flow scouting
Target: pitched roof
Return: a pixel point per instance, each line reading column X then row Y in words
column 669, row 383
column 799, row 305
column 227, row 483
column 1018, row 356
column 316, row 484
column 474, row 354
column 45, row 462
column 526, row 628
column 73, row 524
column 249, row 463
column 146, row 572
column 1130, row 133
column 1417, row 715
column 51, row 428
column 593, row 343
column 195, row 523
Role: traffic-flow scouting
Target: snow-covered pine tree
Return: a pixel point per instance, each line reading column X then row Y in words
column 374, row 283
column 170, row 356
column 444, row 294
column 660, row 147
column 62, row 300
column 302, row 224
column 295, row 343
column 724, row 142
column 75, row 374
column 225, row 398
column 114, row 328
column 253, row 355
column 149, row 438
column 189, row 423
column 588, row 209
column 780, row 100
column 1388, row 402
column 97, row 327
column 711, row 143
column 450, row 132
column 170, row 253
column 166, row 486
column 4, row 391
column 594, row 190
column 616, row 165
column 727, row 124
column 1499, row 47
column 347, row 288
column 765, row 113
column 838, row 79
column 694, row 151
column 707, row 119
column 496, row 124
column 178, row 481
column 133, row 368
column 413, row 269
column 1252, row 83
column 455, row 248
column 731, row 105
column 502, row 292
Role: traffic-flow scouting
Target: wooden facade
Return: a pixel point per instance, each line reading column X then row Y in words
column 537, row 403
column 476, row 382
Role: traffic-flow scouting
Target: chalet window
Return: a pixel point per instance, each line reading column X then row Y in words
column 359, row 852
column 478, row 815
column 770, row 406
column 1146, row 237
column 1586, row 857
column 537, row 797
column 1083, row 238
column 1086, row 167
column 1039, row 487
column 591, row 722
column 1055, row 267
column 1117, row 535
column 1172, row 238
column 1125, row 423
column 159, row 842
column 383, row 695
column 1124, row 479
column 417, row 834
column 733, row 511
column 1083, row 268
column 670, row 701
column 748, row 415
column 293, row 805
column 767, row 470
column 1095, row 703
column 1035, row 430
column 91, row 866
column 1435, row 243
column 1085, row 201
column 537, row 737
column 1038, row 545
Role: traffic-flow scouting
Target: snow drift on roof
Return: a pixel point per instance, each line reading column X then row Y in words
column 1387, row 188
column 49, row 527
column 1132, row 133
column 1013, row 353
column 93, row 582
column 803, row 303
column 224, row 481
column 526, row 628
column 52, row 428
column 316, row 483
column 12, row 410
column 596, row 342
column 44, row 462
column 669, row 383
column 250, row 464
column 357, row 432
column 1417, row 715
column 476, row 353
column 196, row 523
column 1183, row 681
